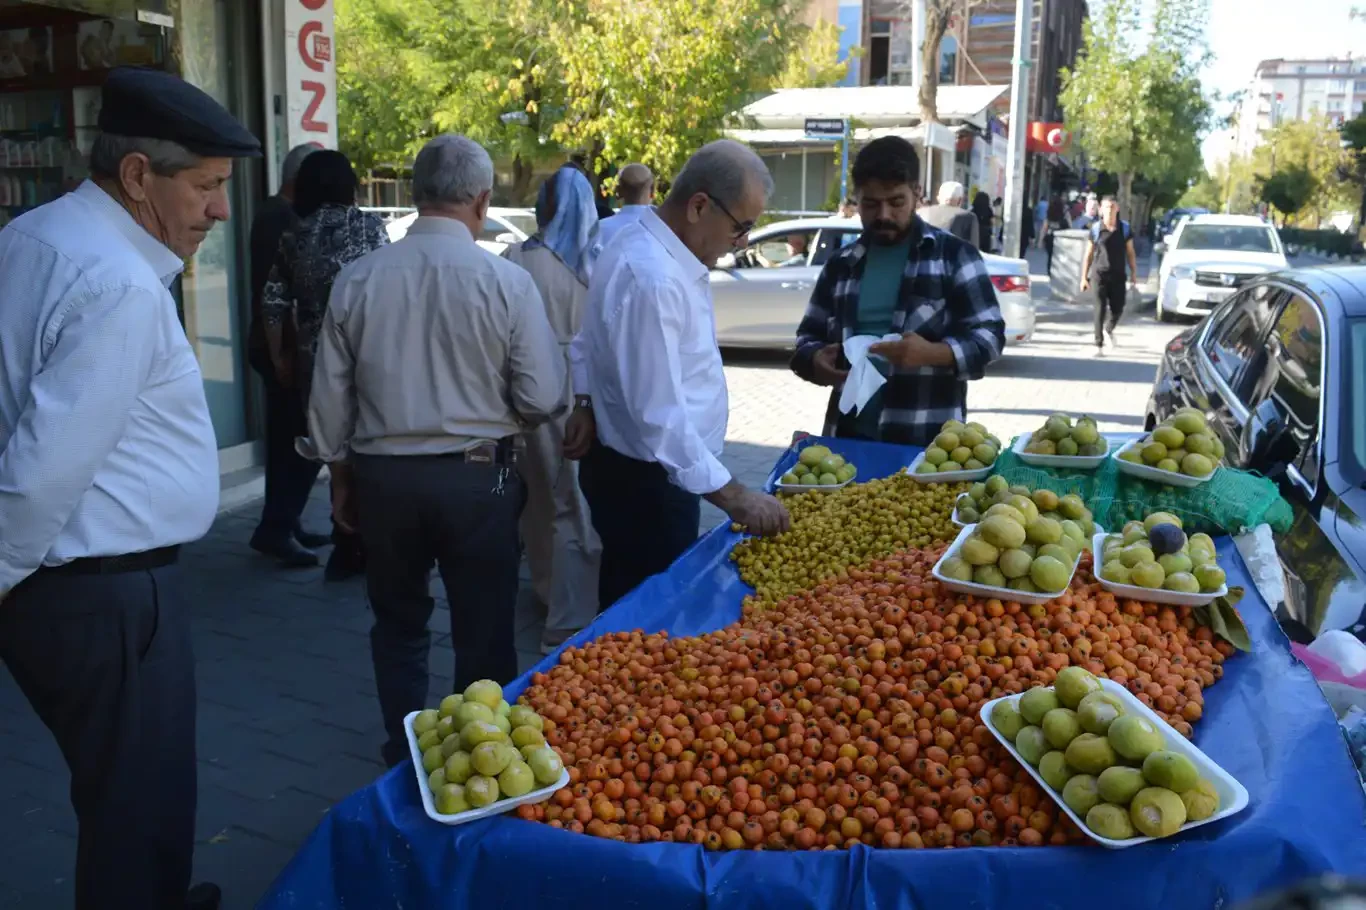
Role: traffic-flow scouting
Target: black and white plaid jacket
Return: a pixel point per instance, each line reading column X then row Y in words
column 946, row 295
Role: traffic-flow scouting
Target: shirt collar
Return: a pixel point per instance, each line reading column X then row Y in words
column 436, row 224
column 692, row 266
column 165, row 263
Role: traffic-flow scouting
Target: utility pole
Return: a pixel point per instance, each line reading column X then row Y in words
column 1019, row 128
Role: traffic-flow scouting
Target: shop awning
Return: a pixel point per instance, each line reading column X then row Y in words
column 940, row 136
column 871, row 105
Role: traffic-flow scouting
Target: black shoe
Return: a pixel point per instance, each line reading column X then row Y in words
column 342, row 564
column 311, row 540
column 204, row 896
column 288, row 551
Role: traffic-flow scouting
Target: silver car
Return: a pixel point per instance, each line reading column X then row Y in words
column 760, row 292
column 502, row 228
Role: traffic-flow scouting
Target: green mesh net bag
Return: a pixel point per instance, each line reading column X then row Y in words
column 1229, row 503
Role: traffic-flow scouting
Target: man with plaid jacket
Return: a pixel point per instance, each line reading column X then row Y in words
column 901, row 277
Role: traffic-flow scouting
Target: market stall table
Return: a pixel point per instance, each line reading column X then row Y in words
column 1265, row 722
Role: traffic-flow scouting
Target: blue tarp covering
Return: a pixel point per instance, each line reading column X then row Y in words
column 1265, row 722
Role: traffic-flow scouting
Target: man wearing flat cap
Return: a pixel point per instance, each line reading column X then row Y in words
column 108, row 463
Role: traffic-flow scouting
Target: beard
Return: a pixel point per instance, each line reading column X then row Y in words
column 887, row 233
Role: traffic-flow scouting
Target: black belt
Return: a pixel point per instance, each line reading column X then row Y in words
column 113, row 565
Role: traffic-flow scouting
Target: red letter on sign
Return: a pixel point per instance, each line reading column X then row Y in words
column 307, row 121
column 306, row 31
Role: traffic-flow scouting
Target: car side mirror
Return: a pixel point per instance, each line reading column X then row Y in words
column 727, row 261
column 1160, row 248
column 1267, row 443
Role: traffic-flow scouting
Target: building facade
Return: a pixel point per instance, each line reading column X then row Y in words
column 268, row 61
column 1283, row 90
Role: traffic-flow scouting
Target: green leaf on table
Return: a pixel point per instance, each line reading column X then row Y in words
column 1221, row 615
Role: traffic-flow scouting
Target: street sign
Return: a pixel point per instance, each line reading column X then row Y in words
column 817, row 128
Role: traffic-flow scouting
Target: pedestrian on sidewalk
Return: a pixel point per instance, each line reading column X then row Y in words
column 636, row 189
column 1056, row 220
column 986, row 233
column 650, row 394
column 332, row 232
column 1109, row 247
column 434, row 354
column 929, row 287
column 289, row 476
column 949, row 214
column 561, row 546
column 108, row 463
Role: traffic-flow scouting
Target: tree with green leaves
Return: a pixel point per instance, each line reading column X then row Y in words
column 1133, row 98
column 1354, row 136
column 1288, row 190
column 1312, row 150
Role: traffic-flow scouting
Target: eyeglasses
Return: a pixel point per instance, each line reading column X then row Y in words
column 742, row 228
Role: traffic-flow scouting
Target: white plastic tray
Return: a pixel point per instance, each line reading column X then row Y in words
column 1232, row 795
column 1073, row 462
column 470, row 815
column 948, row 476
column 968, row 587
column 1148, row 472
column 1151, row 595
column 810, row 487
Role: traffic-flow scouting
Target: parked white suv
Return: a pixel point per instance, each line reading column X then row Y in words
column 1209, row 257
column 760, row 293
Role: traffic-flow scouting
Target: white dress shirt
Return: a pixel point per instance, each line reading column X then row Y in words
column 647, row 355
column 608, row 228
column 430, row 346
column 106, row 445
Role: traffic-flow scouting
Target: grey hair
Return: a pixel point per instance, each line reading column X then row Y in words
column 289, row 168
column 452, row 169
column 723, row 170
column 951, row 191
column 167, row 158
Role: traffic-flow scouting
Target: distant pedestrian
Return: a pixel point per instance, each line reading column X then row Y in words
column 108, row 463
column 562, row 548
column 986, row 218
column 1088, row 216
column 998, row 209
column 928, row 287
column 1057, row 220
column 1109, row 247
column 636, row 189
column 849, row 207
column 289, row 476
column 332, row 233
column 434, row 354
column 650, row 395
column 949, row 215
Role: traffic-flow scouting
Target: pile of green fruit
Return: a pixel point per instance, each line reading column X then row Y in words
column 1111, row 768
column 984, row 494
column 478, row 749
column 1156, row 553
column 1015, row 546
column 1181, row 444
column 960, row 447
column 1060, row 436
column 818, row 466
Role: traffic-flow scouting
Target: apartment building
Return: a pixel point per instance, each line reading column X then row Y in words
column 1283, row 90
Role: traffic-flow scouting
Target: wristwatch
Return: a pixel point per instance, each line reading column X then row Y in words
column 583, row 401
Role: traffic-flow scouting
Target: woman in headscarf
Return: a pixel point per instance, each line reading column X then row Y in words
column 332, row 233
column 981, row 207
column 563, row 550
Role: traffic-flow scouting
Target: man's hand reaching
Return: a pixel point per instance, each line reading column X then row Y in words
column 757, row 512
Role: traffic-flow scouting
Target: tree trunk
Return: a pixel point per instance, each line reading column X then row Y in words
column 936, row 24
column 1125, row 195
column 522, row 172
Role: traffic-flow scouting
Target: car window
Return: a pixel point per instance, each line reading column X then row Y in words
column 1233, row 238
column 1236, row 336
column 1291, row 377
column 831, row 241
column 782, row 250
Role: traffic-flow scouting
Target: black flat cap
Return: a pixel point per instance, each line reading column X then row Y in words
column 151, row 104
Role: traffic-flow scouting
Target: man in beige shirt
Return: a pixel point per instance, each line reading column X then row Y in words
column 433, row 356
column 562, row 548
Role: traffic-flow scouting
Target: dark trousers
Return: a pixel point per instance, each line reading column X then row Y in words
column 420, row 511
column 642, row 519
column 1110, row 297
column 289, row 476
column 106, row 662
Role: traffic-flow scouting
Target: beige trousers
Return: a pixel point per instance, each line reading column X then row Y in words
column 562, row 548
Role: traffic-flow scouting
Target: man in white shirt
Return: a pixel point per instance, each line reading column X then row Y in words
column 636, row 189
column 108, row 463
column 648, row 378
column 434, row 355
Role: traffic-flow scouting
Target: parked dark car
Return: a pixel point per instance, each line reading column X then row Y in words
column 1279, row 369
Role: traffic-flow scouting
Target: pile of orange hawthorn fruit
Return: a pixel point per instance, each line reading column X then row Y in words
column 846, row 713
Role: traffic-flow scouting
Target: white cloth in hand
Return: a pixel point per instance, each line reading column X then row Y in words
column 866, row 374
